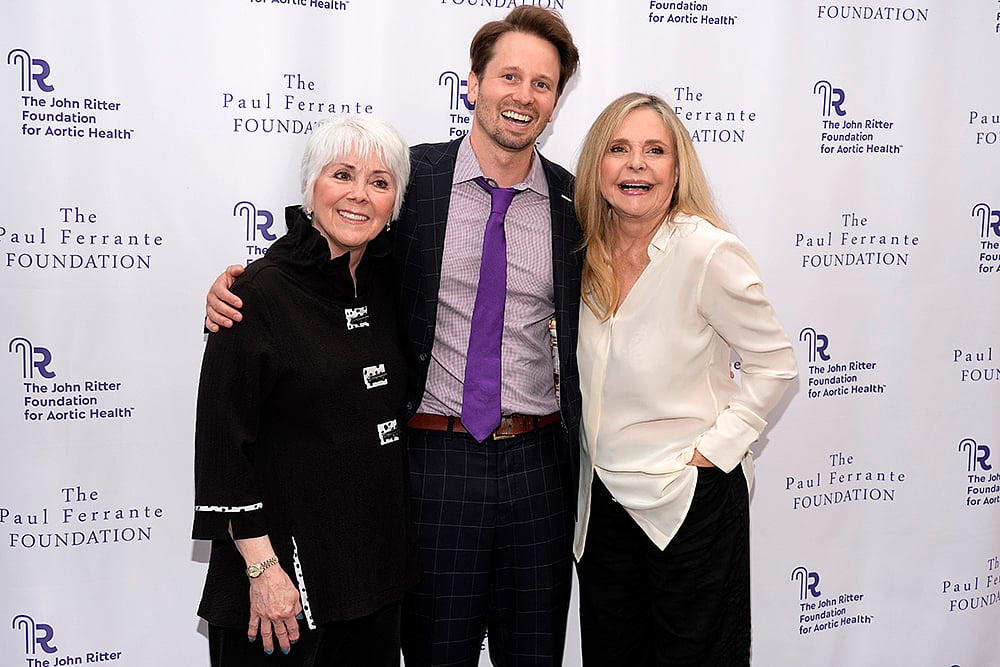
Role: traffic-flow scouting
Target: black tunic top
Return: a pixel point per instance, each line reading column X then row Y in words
column 300, row 433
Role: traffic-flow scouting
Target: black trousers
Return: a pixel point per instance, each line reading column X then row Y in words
column 371, row 641
column 688, row 605
column 495, row 524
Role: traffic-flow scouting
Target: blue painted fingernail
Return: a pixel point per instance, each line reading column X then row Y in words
column 294, row 642
column 251, row 639
column 300, row 616
column 269, row 651
column 285, row 651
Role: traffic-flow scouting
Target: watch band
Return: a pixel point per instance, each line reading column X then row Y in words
column 256, row 569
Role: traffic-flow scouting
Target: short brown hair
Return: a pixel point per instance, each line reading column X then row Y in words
column 538, row 21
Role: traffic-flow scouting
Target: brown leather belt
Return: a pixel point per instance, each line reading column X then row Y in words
column 510, row 425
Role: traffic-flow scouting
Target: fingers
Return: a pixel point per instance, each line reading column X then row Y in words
column 283, row 633
column 280, row 633
column 233, row 271
column 253, row 627
column 220, row 313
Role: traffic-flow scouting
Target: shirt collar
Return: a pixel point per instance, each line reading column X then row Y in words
column 672, row 225
column 467, row 168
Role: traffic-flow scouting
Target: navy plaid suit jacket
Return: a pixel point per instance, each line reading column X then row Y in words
column 419, row 235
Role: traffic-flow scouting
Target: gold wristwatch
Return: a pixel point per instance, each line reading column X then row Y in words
column 257, row 569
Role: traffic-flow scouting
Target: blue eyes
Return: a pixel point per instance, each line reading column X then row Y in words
column 655, row 150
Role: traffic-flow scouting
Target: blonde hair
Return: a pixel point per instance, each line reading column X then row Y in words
column 692, row 195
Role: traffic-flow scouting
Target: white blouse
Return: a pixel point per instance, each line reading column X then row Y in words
column 656, row 376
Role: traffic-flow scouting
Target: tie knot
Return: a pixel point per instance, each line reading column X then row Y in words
column 500, row 197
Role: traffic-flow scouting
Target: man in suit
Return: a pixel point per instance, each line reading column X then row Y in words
column 494, row 517
column 494, row 511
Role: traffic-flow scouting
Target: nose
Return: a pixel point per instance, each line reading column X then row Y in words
column 524, row 92
column 359, row 190
column 637, row 159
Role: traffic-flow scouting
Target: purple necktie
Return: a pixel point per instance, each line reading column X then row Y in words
column 481, row 395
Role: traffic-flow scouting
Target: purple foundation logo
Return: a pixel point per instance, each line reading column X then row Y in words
column 688, row 14
column 34, row 71
column 36, row 635
column 258, row 223
column 833, row 98
column 982, row 482
column 819, row 612
column 816, row 344
column 832, row 378
column 989, row 237
column 39, row 650
column 808, row 583
column 841, row 134
column 459, row 106
column 34, row 359
column 989, row 220
column 331, row 5
column 977, row 456
column 50, row 116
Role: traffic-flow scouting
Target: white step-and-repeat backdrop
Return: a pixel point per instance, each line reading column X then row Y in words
column 854, row 147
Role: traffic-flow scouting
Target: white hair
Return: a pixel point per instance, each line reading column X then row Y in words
column 368, row 137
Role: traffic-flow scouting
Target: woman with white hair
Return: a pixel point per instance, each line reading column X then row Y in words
column 301, row 478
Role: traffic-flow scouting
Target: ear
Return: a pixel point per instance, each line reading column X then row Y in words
column 554, row 105
column 473, row 88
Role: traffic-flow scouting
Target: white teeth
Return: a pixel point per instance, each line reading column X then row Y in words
column 353, row 216
column 519, row 117
column 634, row 186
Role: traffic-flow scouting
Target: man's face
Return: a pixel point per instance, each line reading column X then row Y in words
column 516, row 95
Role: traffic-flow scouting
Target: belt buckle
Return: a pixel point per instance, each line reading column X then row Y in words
column 505, row 431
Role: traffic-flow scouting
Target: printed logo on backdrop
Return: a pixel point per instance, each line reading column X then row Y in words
column 831, row 377
column 819, row 610
column 708, row 121
column 258, row 223
column 459, row 106
column 47, row 398
column 982, row 480
column 40, row 651
column 291, row 105
column 508, row 4
column 76, row 240
column 876, row 13
column 330, row 5
column 47, row 111
column 842, row 134
column 79, row 517
column 976, row 365
column 690, row 14
column 986, row 125
column 973, row 591
column 853, row 243
column 989, row 237
column 844, row 479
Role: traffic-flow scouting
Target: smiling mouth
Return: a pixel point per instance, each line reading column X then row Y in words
column 355, row 217
column 635, row 187
column 516, row 117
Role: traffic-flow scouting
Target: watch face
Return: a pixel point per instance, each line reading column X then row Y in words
column 254, row 571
